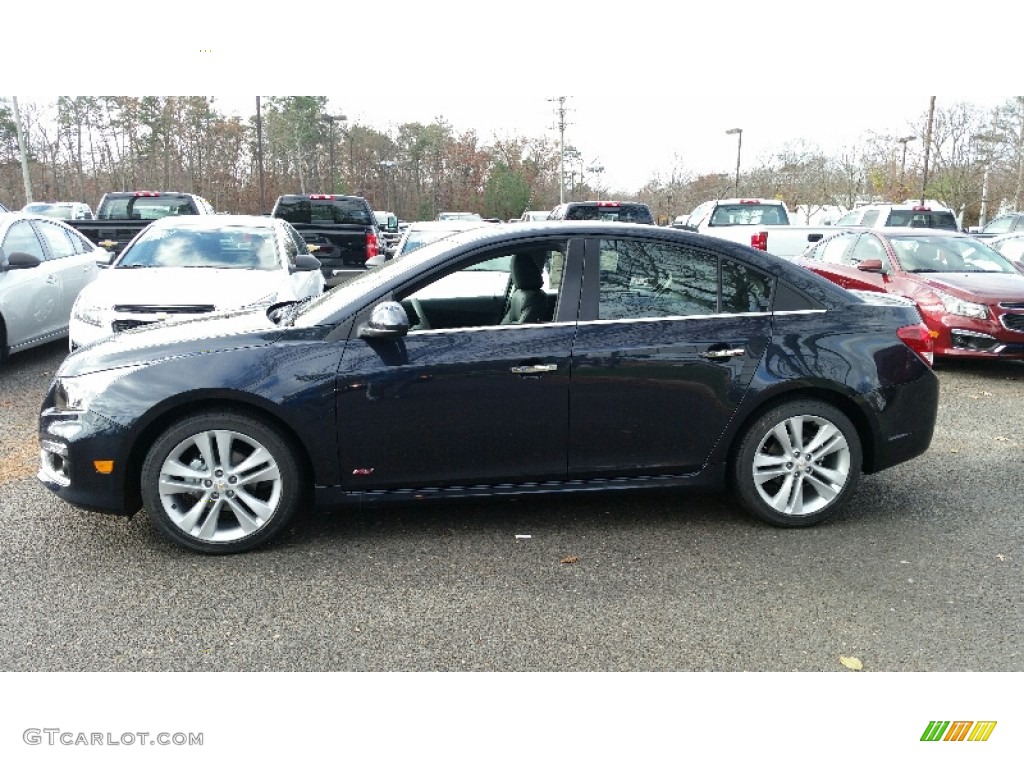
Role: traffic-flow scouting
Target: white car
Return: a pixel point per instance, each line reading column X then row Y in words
column 419, row 233
column 183, row 267
column 44, row 266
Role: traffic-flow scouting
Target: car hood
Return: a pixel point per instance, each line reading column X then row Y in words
column 984, row 287
column 174, row 338
column 221, row 288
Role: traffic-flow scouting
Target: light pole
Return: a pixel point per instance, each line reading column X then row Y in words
column 903, row 162
column 387, row 165
column 739, row 148
column 331, row 120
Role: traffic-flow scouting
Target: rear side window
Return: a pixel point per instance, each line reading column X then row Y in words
column 303, row 210
column 653, row 280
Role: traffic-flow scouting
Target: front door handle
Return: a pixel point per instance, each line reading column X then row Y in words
column 722, row 354
column 534, row 368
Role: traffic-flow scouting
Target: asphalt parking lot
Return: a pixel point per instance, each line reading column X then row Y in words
column 922, row 572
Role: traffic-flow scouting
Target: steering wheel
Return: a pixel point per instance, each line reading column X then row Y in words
column 417, row 307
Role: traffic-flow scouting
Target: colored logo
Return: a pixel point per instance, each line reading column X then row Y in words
column 958, row 730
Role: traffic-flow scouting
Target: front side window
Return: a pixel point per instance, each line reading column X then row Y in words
column 643, row 279
column 21, row 238
column 868, row 247
column 511, row 286
column 834, row 249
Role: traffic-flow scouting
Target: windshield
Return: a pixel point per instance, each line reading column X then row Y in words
column 947, row 254
column 748, row 213
column 146, row 207
column 922, row 219
column 417, row 238
column 226, row 248
column 457, row 216
column 45, row 209
column 629, row 212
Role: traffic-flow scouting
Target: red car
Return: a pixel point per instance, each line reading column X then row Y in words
column 970, row 297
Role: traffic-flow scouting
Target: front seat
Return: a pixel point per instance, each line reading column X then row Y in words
column 528, row 303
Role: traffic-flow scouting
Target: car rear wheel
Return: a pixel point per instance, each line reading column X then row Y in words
column 220, row 483
column 797, row 463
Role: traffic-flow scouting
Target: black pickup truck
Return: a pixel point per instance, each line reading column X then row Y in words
column 120, row 216
column 341, row 231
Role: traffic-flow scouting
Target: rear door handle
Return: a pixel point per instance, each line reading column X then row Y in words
column 721, row 354
column 534, row 368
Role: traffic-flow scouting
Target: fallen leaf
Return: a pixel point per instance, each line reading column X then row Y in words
column 851, row 662
column 569, row 559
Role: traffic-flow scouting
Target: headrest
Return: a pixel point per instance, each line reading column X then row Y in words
column 525, row 272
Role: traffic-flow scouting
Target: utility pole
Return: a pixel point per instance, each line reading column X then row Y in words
column 560, row 111
column 259, row 154
column 26, row 178
column 927, row 147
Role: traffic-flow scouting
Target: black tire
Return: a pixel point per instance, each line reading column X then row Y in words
column 221, row 505
column 789, row 490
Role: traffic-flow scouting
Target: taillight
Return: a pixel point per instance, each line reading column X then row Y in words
column 608, row 204
column 147, row 194
column 759, row 240
column 321, row 197
column 372, row 246
column 919, row 339
column 750, row 202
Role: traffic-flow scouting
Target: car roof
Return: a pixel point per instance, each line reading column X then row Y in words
column 448, row 224
column 930, row 231
column 10, row 216
column 214, row 221
column 55, row 202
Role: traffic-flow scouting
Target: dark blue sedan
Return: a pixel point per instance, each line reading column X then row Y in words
column 526, row 358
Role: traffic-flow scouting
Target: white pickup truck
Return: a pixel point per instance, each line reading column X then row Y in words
column 757, row 222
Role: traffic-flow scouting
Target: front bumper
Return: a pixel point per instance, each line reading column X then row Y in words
column 74, row 451
column 957, row 336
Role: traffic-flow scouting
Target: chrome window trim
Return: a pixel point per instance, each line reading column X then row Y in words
column 716, row 316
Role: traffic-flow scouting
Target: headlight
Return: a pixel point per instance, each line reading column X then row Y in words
column 76, row 393
column 87, row 313
column 962, row 308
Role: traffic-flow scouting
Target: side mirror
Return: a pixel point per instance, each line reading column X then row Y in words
column 388, row 319
column 20, row 260
column 378, row 260
column 105, row 259
column 870, row 265
column 306, row 263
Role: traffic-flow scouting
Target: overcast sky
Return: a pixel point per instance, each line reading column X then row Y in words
column 649, row 86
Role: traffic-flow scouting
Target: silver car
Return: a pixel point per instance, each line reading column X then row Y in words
column 44, row 264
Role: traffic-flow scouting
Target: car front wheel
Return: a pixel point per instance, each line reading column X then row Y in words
column 797, row 463
column 220, row 483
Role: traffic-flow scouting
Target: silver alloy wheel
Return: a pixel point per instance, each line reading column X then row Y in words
column 801, row 465
column 220, row 485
